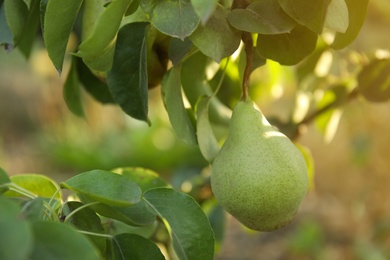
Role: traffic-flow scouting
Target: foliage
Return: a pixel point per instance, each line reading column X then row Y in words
column 193, row 48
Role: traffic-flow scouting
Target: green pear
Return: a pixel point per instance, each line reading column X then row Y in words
column 259, row 176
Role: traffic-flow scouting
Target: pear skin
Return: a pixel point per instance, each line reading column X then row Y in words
column 259, row 176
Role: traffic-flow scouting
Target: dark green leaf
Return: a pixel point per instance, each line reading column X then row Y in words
column 54, row 240
column 337, row 17
column 15, row 238
column 265, row 17
column 42, row 11
column 130, row 246
column 172, row 97
column 145, row 179
column 33, row 209
column 208, row 144
column 217, row 39
column 5, row 32
column 58, row 23
column 30, row 29
column 176, row 18
column 132, row 7
column 374, row 81
column 92, row 84
column 311, row 14
column 127, row 79
column 106, row 187
column 71, row 91
column 204, row 8
column 16, row 12
column 4, row 179
column 357, row 13
column 288, row 48
column 190, row 230
column 178, row 49
column 85, row 220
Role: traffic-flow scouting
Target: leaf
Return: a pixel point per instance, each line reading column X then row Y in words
column 172, row 97
column 39, row 185
column 85, row 220
column 374, row 81
column 54, row 240
column 145, row 179
column 337, row 17
column 127, row 80
column 92, row 10
column 208, row 144
column 307, row 13
column 92, row 84
column 58, row 23
column 71, row 91
column 16, row 237
column 217, row 39
column 307, row 155
column 176, row 18
column 33, row 209
column 132, row 246
column 98, row 49
column 288, row 48
column 105, row 187
column 204, row 8
column 190, row 230
column 30, row 29
column 217, row 217
column 16, row 12
column 265, row 17
column 6, row 38
column 357, row 13
column 4, row 179
column 42, row 11
column 178, row 49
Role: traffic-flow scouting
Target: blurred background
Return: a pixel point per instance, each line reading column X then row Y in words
column 346, row 214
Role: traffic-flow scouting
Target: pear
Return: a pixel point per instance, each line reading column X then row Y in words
column 259, row 176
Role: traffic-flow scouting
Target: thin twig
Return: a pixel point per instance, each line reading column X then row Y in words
column 248, row 42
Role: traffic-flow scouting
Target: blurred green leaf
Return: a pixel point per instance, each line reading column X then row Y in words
column 4, row 179
column 6, row 38
column 106, row 187
column 357, row 14
column 30, row 29
column 33, row 209
column 309, row 162
column 208, row 144
column 145, row 178
column 307, row 13
column 204, row 8
column 217, row 217
column 127, row 80
column 374, row 81
column 337, row 17
column 265, row 17
column 172, row 97
column 85, row 220
column 54, row 240
column 58, row 23
column 16, row 13
column 39, row 185
column 16, row 237
column 217, row 39
column 71, row 91
column 287, row 48
column 132, row 246
column 190, row 230
column 176, row 18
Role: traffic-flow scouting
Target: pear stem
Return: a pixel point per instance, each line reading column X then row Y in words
column 248, row 42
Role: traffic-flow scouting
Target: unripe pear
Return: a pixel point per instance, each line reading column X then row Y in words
column 259, row 176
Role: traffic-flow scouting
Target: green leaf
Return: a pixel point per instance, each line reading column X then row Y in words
column 176, row 18
column 265, row 17
column 357, row 13
column 4, row 179
column 307, row 155
column 217, row 39
column 58, row 23
column 172, row 97
column 71, row 91
column 39, row 185
column 178, row 49
column 208, row 144
column 92, row 84
column 92, row 10
column 190, row 230
column 337, row 18
column 217, row 217
column 145, row 179
column 311, row 14
column 98, row 49
column 127, row 80
column 54, row 240
column 85, row 220
column 30, row 29
column 106, row 187
column 204, row 8
column 288, row 48
column 131, row 246
column 16, row 238
column 374, row 81
column 33, row 209
column 6, row 38
column 16, row 12
column 42, row 11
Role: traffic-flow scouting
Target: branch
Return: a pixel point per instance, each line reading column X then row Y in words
column 248, row 42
